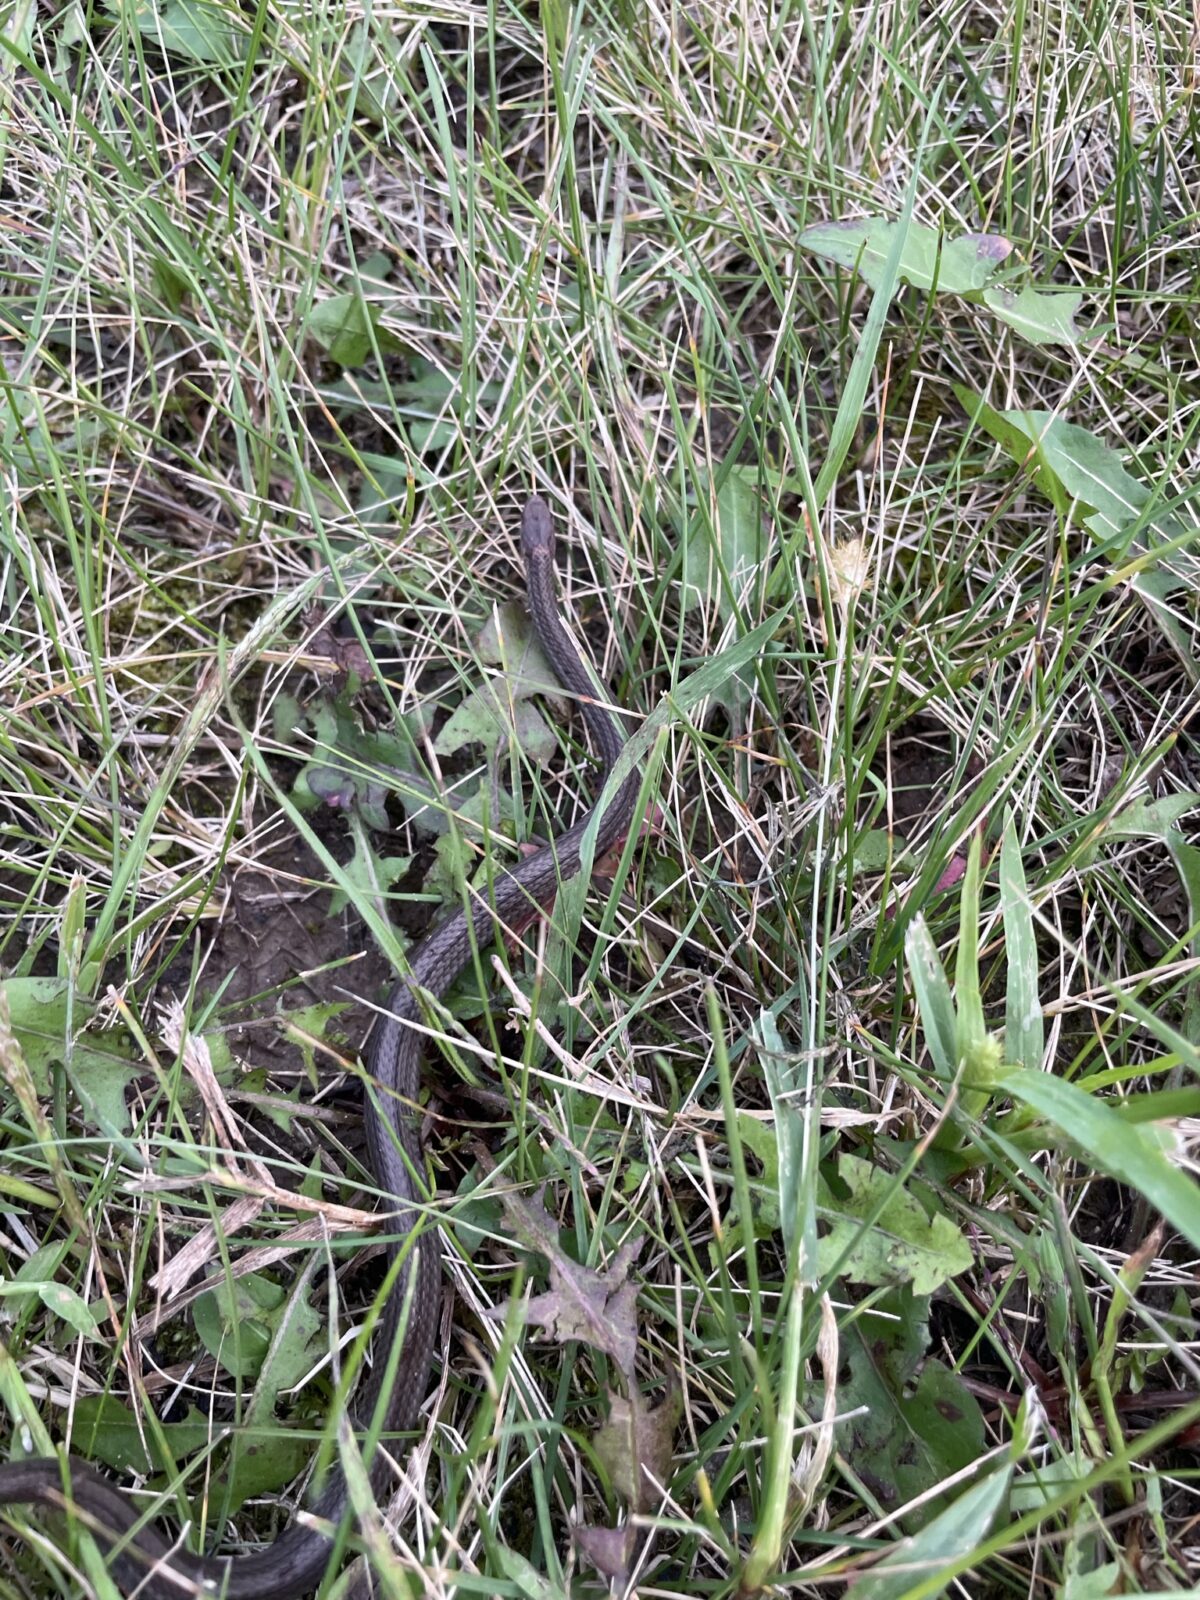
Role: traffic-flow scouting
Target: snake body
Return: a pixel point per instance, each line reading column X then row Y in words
column 141, row 1557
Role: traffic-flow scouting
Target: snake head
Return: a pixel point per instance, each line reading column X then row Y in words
column 537, row 529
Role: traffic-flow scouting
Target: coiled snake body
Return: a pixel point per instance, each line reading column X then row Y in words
column 293, row 1565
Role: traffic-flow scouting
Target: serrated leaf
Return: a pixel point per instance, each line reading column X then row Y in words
column 598, row 1307
column 1089, row 470
column 369, row 873
column 496, row 713
column 635, row 1445
column 610, row 1550
column 263, row 1456
column 1074, row 467
column 352, row 767
column 1016, row 439
column 102, row 1065
column 902, row 1246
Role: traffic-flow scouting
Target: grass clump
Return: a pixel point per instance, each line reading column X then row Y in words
column 829, row 1214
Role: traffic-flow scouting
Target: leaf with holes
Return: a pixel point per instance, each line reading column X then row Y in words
column 910, row 1422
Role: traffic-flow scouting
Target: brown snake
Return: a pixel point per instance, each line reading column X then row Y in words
column 293, row 1565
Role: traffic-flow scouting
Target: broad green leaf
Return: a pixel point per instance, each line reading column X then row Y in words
column 369, row 64
column 387, row 486
column 1159, row 819
column 261, row 1460
column 496, row 712
column 1077, row 471
column 431, row 404
column 724, row 547
column 366, row 874
column 949, row 1538
column 1153, row 819
column 1040, row 316
column 1096, row 1583
column 902, row 1246
column 262, row 1455
column 61, row 1301
column 526, row 1580
column 1042, row 1483
column 69, row 1307
column 234, row 1320
column 172, row 283
column 927, row 257
column 722, row 558
column 17, row 28
column 934, row 1001
column 102, row 1065
column 762, row 1143
column 1089, row 470
column 1127, row 1151
column 847, row 420
column 351, row 767
column 1072, row 466
column 205, row 31
column 349, row 330
column 875, row 848
column 107, row 1430
column 786, row 1077
column 911, row 1422
column 1024, row 1034
column 935, row 263
column 1026, row 451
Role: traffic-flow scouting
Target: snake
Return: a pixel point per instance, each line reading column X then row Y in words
column 140, row 1556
